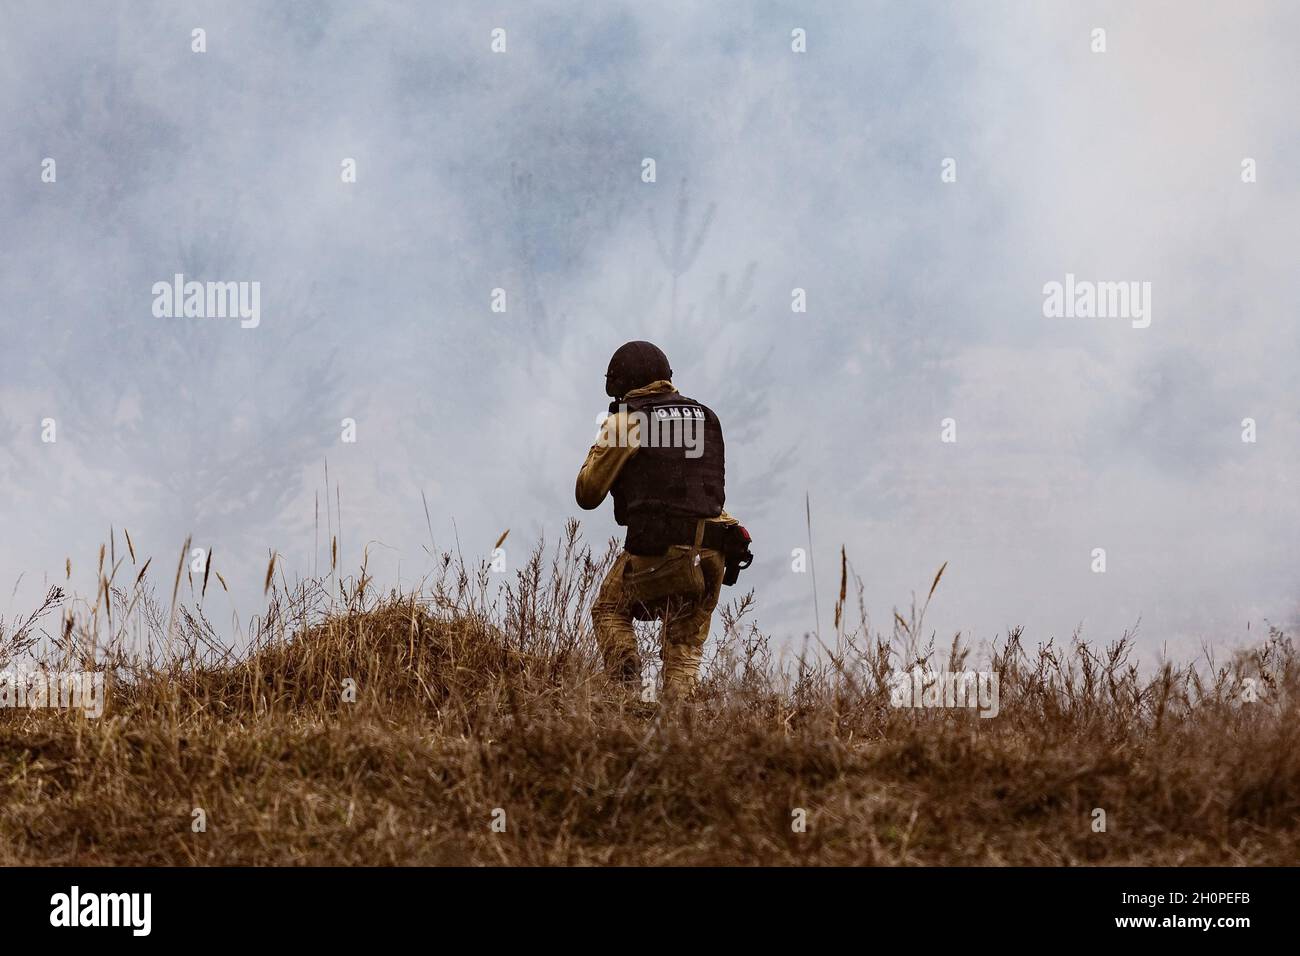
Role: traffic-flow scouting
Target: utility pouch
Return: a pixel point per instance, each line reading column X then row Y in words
column 736, row 551
column 674, row 574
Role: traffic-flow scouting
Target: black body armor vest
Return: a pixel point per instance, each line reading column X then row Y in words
column 677, row 472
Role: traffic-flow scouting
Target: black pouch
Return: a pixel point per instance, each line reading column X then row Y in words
column 736, row 550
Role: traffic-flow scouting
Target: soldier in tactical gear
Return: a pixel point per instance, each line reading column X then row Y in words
column 661, row 456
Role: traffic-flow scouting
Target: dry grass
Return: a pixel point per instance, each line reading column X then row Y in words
column 467, row 700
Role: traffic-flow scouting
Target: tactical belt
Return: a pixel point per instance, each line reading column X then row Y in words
column 657, row 536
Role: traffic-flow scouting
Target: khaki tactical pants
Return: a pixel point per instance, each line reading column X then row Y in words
column 685, row 625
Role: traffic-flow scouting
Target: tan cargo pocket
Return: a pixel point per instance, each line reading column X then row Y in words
column 674, row 574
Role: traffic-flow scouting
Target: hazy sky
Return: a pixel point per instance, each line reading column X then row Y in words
column 522, row 170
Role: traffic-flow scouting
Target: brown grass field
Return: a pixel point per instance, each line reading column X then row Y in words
column 469, row 699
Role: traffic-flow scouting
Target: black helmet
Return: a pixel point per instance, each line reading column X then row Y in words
column 635, row 364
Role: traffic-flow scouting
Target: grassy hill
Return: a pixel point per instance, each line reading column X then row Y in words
column 360, row 728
